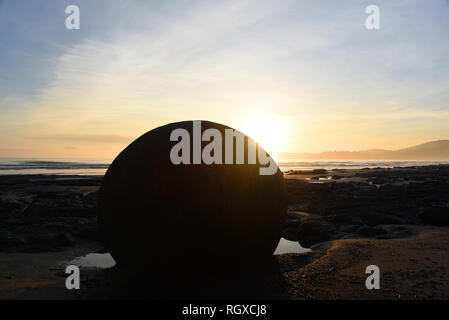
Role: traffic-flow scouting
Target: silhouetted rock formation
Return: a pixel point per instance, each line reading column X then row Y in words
column 188, row 218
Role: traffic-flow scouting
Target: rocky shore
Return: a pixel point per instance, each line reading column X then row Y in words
column 41, row 213
column 378, row 203
column 350, row 218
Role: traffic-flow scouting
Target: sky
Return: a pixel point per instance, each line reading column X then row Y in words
column 298, row 76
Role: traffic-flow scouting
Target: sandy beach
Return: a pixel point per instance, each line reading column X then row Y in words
column 394, row 218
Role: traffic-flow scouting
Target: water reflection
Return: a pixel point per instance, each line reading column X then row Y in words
column 287, row 246
column 94, row 260
column 105, row 260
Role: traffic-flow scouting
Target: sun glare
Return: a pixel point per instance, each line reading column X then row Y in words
column 267, row 130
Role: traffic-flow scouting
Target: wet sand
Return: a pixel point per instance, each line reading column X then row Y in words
column 410, row 268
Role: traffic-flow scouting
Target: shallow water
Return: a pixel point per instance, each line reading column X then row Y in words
column 94, row 260
column 286, row 165
column 10, row 166
column 105, row 260
column 99, row 166
column 287, row 246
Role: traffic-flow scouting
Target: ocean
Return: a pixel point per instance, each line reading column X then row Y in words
column 9, row 166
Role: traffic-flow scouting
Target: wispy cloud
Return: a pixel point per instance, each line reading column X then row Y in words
column 87, row 138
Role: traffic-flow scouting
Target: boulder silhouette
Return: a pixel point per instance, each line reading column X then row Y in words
column 188, row 217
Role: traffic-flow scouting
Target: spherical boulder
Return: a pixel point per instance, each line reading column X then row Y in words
column 162, row 207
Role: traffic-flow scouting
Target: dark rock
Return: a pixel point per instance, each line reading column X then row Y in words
column 89, row 233
column 312, row 231
column 290, row 234
column 62, row 240
column 436, row 216
column 349, row 228
column 47, row 242
column 292, row 224
column 367, row 231
column 56, row 240
column 306, row 172
column 296, row 215
column 294, row 219
column 374, row 219
column 154, row 214
column 398, row 231
column 11, row 209
column 380, row 180
column 344, row 219
column 386, row 236
column 8, row 239
column 48, row 207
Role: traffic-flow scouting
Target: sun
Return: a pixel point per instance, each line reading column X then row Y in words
column 268, row 130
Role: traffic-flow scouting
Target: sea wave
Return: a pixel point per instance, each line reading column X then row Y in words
column 301, row 165
column 25, row 166
column 99, row 167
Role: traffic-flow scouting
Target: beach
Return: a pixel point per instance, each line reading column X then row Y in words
column 395, row 218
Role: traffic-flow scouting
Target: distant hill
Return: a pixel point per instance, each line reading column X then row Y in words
column 434, row 150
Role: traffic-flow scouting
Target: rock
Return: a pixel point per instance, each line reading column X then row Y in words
column 290, row 234
column 437, row 216
column 294, row 218
column 345, row 219
column 306, row 172
column 42, row 242
column 336, row 177
column 398, row 231
column 377, row 218
column 349, row 228
column 386, row 236
column 50, row 208
column 48, row 242
column 89, row 233
column 367, row 231
column 312, row 231
column 7, row 239
column 176, row 219
column 10, row 209
column 292, row 224
column 62, row 240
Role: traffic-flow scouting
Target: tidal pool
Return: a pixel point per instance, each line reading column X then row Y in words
column 287, row 246
column 105, row 260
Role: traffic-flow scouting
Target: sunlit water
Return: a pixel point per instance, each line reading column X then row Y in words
column 105, row 260
column 10, row 166
column 285, row 165
column 287, row 246
column 94, row 260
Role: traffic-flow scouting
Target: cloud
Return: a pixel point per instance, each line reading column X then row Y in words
column 86, row 138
